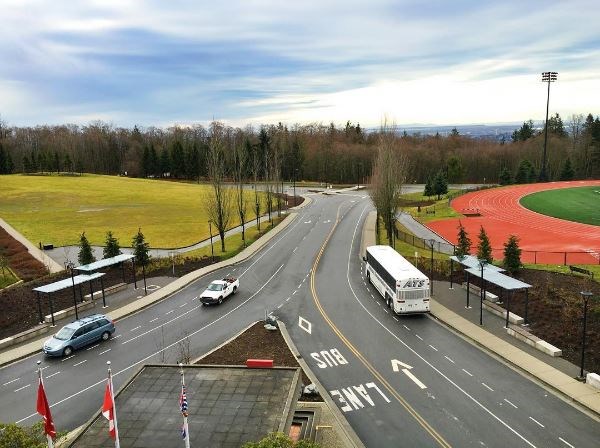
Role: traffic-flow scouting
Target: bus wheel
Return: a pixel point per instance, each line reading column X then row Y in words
column 388, row 301
column 368, row 277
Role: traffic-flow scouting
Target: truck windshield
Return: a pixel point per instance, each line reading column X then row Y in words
column 215, row 287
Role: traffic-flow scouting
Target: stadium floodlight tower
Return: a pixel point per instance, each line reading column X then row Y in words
column 546, row 77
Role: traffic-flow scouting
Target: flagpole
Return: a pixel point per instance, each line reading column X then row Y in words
column 39, row 369
column 112, row 396
column 185, row 414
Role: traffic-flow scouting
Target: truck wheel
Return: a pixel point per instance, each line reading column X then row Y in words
column 388, row 301
column 234, row 289
column 220, row 300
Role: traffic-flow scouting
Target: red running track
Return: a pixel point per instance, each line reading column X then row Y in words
column 543, row 239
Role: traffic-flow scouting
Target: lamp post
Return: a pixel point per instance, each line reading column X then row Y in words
column 295, row 173
column 212, row 250
column 585, row 295
column 431, row 242
column 71, row 266
column 546, row 77
column 482, row 263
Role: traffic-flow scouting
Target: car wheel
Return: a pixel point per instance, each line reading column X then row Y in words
column 220, row 300
column 106, row 336
column 68, row 351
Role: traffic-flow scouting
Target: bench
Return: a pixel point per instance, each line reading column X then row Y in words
column 581, row 271
column 470, row 212
column 530, row 339
column 430, row 211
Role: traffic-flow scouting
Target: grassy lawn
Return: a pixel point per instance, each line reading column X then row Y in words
column 442, row 207
column 580, row 204
column 56, row 209
column 7, row 279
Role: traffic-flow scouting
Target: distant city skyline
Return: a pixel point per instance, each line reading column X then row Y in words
column 414, row 63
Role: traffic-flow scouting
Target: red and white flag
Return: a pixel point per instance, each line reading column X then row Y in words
column 44, row 410
column 108, row 410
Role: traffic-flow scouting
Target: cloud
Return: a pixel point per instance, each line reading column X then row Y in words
column 154, row 62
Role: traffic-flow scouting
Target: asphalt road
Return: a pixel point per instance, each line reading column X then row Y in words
column 445, row 392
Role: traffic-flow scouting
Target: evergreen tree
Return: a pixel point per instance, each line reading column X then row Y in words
column 192, row 166
column 153, row 162
column 86, row 256
column 463, row 244
column 429, row 187
column 34, row 162
column 524, row 172
column 165, row 162
column 177, row 160
column 111, row 246
column 3, row 165
column 56, row 162
column 455, row 169
column 26, row 165
column 10, row 166
column 505, row 177
column 454, row 132
column 440, row 184
column 484, row 248
column 146, row 162
column 567, row 172
column 525, row 132
column 512, row 255
column 556, row 127
column 141, row 248
column 68, row 164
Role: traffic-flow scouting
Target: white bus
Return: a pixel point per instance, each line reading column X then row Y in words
column 404, row 288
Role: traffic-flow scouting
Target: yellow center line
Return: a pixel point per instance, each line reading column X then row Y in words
column 434, row 434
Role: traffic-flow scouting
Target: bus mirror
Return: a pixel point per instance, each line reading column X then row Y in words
column 364, row 258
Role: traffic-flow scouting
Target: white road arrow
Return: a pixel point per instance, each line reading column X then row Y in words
column 397, row 365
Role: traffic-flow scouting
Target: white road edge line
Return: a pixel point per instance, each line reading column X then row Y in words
column 512, row 404
column 565, row 442
column 487, row 387
column 103, row 380
column 435, row 369
column 537, row 422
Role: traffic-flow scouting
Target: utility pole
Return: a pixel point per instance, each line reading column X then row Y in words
column 546, row 77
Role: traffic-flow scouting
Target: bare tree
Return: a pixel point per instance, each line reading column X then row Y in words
column 388, row 176
column 218, row 201
column 240, row 163
column 184, row 350
column 255, row 163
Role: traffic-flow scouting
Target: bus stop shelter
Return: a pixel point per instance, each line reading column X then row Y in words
column 64, row 284
column 107, row 262
column 494, row 275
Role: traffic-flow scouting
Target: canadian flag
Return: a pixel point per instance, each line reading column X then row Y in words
column 44, row 410
column 108, row 410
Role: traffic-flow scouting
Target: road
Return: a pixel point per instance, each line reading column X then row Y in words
column 399, row 381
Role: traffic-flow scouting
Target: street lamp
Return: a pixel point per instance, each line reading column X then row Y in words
column 295, row 174
column 546, row 77
column 431, row 242
column 71, row 266
column 585, row 295
column 482, row 263
column 212, row 250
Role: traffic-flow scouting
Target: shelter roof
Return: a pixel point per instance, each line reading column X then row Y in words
column 473, row 262
column 68, row 283
column 499, row 279
column 105, row 262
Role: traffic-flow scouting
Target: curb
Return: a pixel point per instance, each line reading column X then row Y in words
column 168, row 290
column 352, row 439
column 223, row 344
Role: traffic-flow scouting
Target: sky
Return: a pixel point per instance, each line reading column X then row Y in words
column 251, row 62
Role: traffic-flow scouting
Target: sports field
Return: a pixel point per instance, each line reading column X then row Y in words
column 580, row 204
column 56, row 209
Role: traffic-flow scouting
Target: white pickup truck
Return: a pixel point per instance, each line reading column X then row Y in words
column 218, row 290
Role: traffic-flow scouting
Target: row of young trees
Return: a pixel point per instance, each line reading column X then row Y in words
column 314, row 151
column 112, row 248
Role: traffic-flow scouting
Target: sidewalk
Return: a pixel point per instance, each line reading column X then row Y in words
column 448, row 306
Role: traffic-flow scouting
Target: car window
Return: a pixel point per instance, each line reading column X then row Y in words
column 78, row 333
column 90, row 327
column 102, row 322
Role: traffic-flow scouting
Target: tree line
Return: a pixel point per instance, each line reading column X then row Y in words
column 316, row 152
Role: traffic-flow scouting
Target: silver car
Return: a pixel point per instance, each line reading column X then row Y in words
column 79, row 334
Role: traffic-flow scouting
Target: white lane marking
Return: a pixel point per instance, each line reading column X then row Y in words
column 565, row 442
column 414, row 352
column 92, row 347
column 385, row 310
column 136, row 328
column 395, row 318
column 11, row 381
column 118, row 336
column 53, row 374
column 233, row 270
column 288, row 299
column 80, row 362
column 373, row 296
column 295, row 249
column 105, row 351
column 406, row 327
column 467, row 372
column 153, row 320
column 414, row 378
column 365, row 283
column 43, row 368
column 512, row 404
column 433, row 347
column 449, row 359
column 103, row 380
column 21, row 388
column 182, row 305
column 419, row 336
column 295, row 292
column 280, row 305
column 487, row 387
column 379, row 304
column 537, row 422
column 169, row 312
column 68, row 357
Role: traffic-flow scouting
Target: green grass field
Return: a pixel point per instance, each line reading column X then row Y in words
column 580, row 204
column 56, row 209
